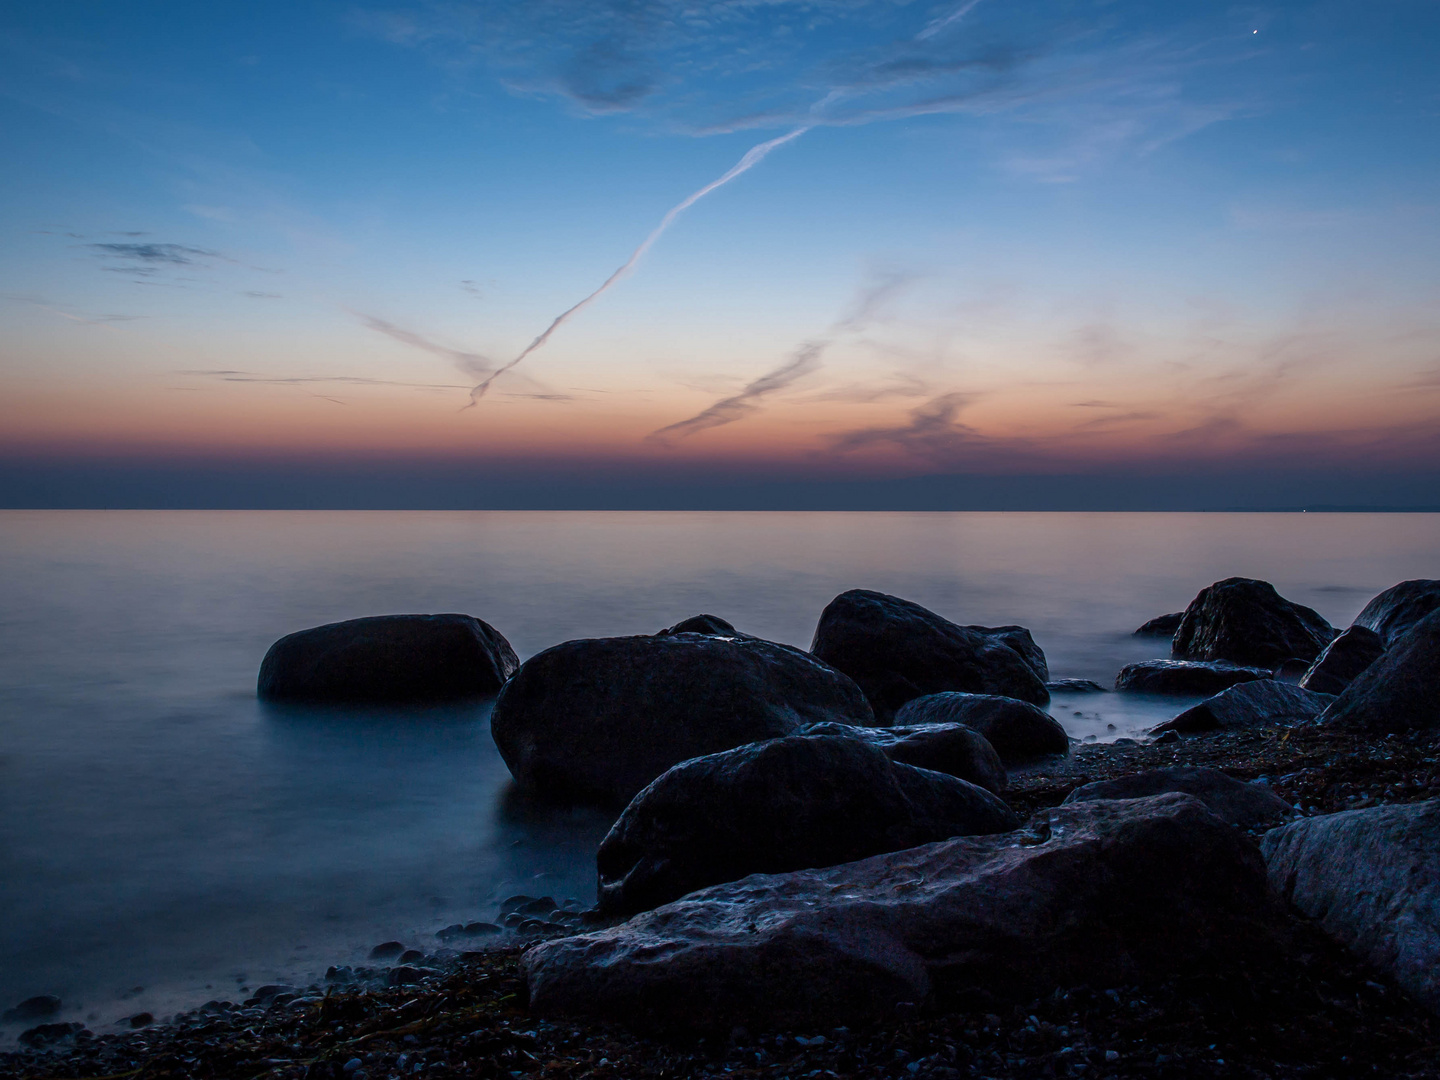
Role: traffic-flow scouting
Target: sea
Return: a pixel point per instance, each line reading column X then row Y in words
column 167, row 839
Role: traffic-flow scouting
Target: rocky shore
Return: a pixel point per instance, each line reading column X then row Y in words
column 796, row 887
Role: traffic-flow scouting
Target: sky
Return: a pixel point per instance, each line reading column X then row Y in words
column 844, row 253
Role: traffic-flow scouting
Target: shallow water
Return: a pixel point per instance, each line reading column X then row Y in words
column 159, row 828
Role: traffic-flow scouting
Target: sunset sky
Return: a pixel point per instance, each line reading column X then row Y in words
column 268, row 253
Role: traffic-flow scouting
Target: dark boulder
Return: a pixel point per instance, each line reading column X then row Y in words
column 1400, row 691
column 953, row 749
column 776, row 806
column 1372, row 878
column 1344, row 658
column 388, row 658
column 1398, row 608
column 37, row 1038
column 596, row 720
column 712, row 625
column 1184, row 678
column 1293, row 670
column 1247, row 622
column 1259, row 703
column 1250, row 806
column 1019, row 640
column 1075, row 686
column 1109, row 893
column 1016, row 729
column 897, row 650
column 1162, row 626
column 32, row 1008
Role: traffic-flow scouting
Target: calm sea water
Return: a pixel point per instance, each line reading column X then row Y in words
column 165, row 838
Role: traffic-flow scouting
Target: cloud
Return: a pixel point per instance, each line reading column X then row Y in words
column 166, row 254
column 254, row 295
column 237, row 376
column 470, row 363
column 933, row 432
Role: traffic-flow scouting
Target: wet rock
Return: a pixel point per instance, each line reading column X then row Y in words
column 388, row 658
column 597, row 720
column 1259, row 703
column 1393, row 612
column 711, row 625
column 1162, row 626
column 334, row 974
column 32, row 1008
column 1370, row 877
column 1250, row 806
column 411, row 956
column 897, row 650
column 405, row 975
column 1247, row 622
column 770, row 807
column 1292, row 671
column 142, row 1019
column 953, row 749
column 1185, row 678
column 1343, row 659
column 1075, row 686
column 386, row 950
column 45, row 1035
column 1400, row 691
column 467, row 930
column 1019, row 640
column 1102, row 893
column 1016, row 729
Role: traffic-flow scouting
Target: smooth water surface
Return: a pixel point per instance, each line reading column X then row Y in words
column 160, row 829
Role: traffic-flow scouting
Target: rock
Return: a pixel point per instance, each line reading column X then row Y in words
column 1247, row 622
column 712, row 625
column 1105, row 893
column 1259, row 703
column 1018, row 640
column 1016, row 729
column 1075, row 686
column 1292, row 670
column 597, row 720
column 142, row 1019
column 32, row 1008
column 388, row 658
column 468, row 930
column 405, row 975
column 386, row 949
column 1392, row 613
column 1400, row 691
column 775, row 806
column 1344, row 658
column 1184, row 678
column 1249, row 806
column 897, row 651
column 527, row 905
column 1162, row 626
column 953, row 749
column 47, row 1034
column 411, row 956
column 1372, row 879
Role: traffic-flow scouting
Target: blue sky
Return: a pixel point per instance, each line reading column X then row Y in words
column 1007, row 238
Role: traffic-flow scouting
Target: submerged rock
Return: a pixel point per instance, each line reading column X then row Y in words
column 953, row 749
column 1370, row 877
column 1249, row 806
column 1247, row 622
column 1103, row 893
column 1184, row 678
column 1016, row 729
column 1259, row 703
column 598, row 719
column 897, row 650
column 712, row 625
column 1162, row 626
column 1075, row 686
column 1400, row 691
column 1343, row 659
column 771, row 807
column 388, row 658
column 1393, row 612
column 32, row 1008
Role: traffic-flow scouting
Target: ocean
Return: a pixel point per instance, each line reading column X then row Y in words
column 166, row 839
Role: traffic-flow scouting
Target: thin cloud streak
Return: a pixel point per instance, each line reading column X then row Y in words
column 469, row 362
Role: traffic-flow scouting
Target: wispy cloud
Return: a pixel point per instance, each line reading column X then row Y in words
column 471, row 363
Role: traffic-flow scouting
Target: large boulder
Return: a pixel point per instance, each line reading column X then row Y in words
column 1019, row 640
column 1344, row 658
column 388, row 658
column 953, row 749
column 1248, row 622
column 1016, row 729
column 1258, row 703
column 1250, row 806
column 712, row 625
column 1398, row 608
column 596, row 720
column 771, row 807
column 1103, row 893
column 897, row 650
column 1162, row 626
column 1184, row 678
column 1372, row 879
column 1400, row 691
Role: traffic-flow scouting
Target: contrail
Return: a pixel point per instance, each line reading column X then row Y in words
column 949, row 20
column 753, row 157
